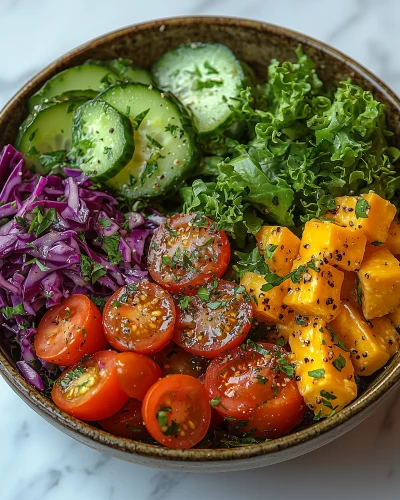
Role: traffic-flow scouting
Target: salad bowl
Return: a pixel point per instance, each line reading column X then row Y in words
column 255, row 43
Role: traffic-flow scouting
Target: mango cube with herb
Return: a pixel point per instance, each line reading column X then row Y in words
column 323, row 369
column 267, row 306
column 369, row 214
column 279, row 247
column 368, row 350
column 379, row 278
column 336, row 245
column 317, row 293
column 385, row 329
column 393, row 239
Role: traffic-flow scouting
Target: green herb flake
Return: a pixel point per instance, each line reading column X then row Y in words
column 319, row 373
column 362, row 206
column 339, row 363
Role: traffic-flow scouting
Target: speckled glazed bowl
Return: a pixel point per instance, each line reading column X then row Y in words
column 256, row 43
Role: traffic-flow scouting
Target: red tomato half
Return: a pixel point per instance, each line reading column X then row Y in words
column 216, row 319
column 172, row 360
column 176, row 411
column 256, row 381
column 69, row 331
column 188, row 251
column 277, row 417
column 137, row 373
column 90, row 390
column 139, row 317
column 127, row 422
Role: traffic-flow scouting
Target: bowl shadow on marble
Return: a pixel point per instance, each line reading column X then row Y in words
column 256, row 43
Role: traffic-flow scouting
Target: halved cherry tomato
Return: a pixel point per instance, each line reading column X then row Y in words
column 173, row 359
column 216, row 319
column 127, row 422
column 277, row 417
column 139, row 317
column 137, row 373
column 90, row 390
column 247, row 381
column 188, row 251
column 69, row 331
column 176, row 411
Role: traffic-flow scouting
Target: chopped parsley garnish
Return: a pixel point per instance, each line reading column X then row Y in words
column 11, row 312
column 377, row 243
column 104, row 222
column 91, row 270
column 66, row 380
column 216, row 401
column 339, row 363
column 319, row 373
column 269, row 251
column 261, row 380
column 362, row 206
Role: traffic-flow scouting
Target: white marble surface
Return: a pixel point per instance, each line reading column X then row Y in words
column 37, row 462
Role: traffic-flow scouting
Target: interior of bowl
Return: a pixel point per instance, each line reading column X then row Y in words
column 255, row 43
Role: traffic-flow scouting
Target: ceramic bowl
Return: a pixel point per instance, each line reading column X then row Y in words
column 255, row 43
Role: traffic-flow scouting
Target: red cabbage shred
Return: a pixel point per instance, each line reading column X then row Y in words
column 59, row 235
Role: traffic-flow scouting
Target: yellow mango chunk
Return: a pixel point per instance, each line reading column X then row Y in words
column 379, row 216
column 384, row 328
column 349, row 292
column 336, row 245
column 379, row 277
column 267, row 306
column 368, row 350
column 393, row 238
column 280, row 261
column 317, row 293
column 324, row 372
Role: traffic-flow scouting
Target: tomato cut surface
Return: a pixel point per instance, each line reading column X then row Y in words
column 176, row 411
column 90, row 390
column 137, row 373
column 139, row 317
column 248, row 378
column 173, row 359
column 188, row 251
column 69, row 331
column 127, row 422
column 217, row 318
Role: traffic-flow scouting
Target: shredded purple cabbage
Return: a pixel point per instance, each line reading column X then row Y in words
column 60, row 236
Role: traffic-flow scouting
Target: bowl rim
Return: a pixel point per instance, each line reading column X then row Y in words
column 47, row 408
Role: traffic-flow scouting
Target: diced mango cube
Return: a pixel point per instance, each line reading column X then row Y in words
column 384, row 328
column 393, row 239
column 280, row 261
column 368, row 351
column 317, row 293
column 379, row 277
column 378, row 218
column 267, row 306
column 336, row 245
column 324, row 372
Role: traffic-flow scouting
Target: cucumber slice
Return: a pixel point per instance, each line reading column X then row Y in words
column 129, row 72
column 88, row 76
column 164, row 150
column 102, row 140
column 206, row 78
column 48, row 129
column 71, row 94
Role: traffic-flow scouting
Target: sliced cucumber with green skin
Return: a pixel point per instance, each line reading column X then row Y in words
column 128, row 71
column 71, row 94
column 102, row 140
column 89, row 76
column 164, row 149
column 48, row 129
column 206, row 78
